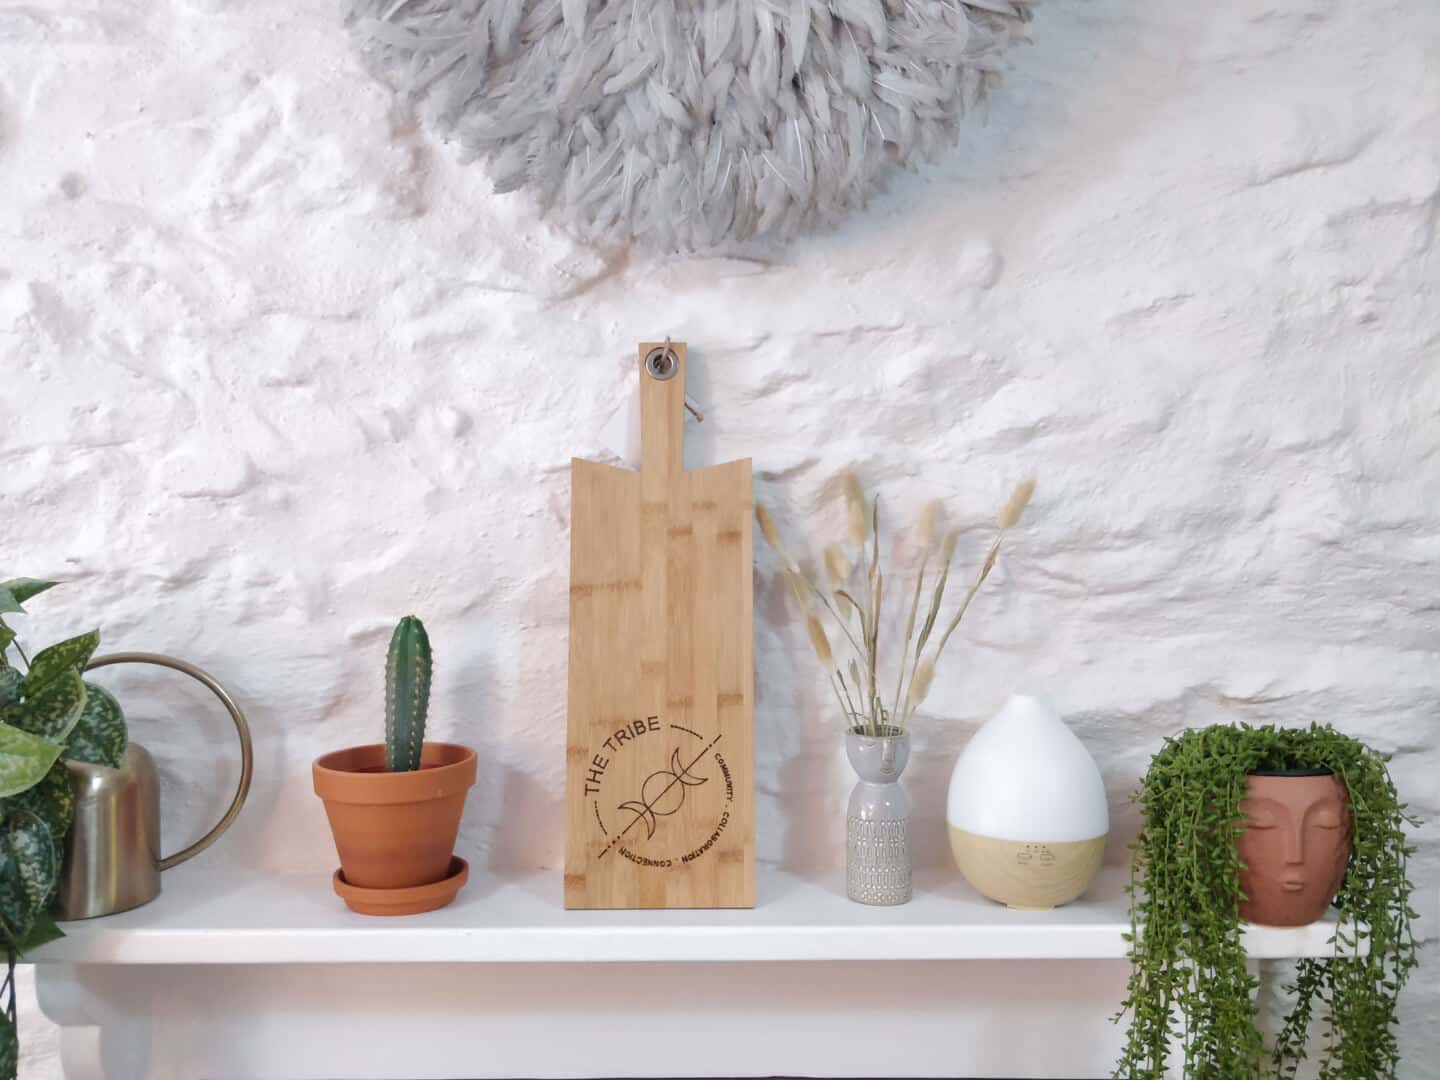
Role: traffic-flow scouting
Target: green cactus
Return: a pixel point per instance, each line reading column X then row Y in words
column 407, row 694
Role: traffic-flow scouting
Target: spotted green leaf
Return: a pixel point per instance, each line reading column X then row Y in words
column 52, row 800
column 23, row 588
column 24, row 759
column 6, row 637
column 16, row 912
column 52, row 711
column 70, row 655
column 29, row 843
column 8, row 603
column 10, row 682
column 99, row 737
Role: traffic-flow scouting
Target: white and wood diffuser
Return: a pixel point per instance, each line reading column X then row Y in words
column 1027, row 810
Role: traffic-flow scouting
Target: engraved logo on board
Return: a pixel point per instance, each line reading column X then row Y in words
column 681, row 769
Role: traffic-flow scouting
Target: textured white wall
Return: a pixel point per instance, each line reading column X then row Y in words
column 275, row 369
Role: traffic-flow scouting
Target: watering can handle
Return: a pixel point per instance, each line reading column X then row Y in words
column 247, row 756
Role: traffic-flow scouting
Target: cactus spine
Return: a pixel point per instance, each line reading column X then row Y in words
column 407, row 694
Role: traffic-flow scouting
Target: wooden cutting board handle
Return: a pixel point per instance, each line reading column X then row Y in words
column 662, row 416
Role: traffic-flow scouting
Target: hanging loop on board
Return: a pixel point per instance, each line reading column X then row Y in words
column 662, row 364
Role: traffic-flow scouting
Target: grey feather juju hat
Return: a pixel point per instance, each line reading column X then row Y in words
column 685, row 124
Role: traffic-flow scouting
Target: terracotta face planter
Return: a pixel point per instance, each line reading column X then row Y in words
column 396, row 831
column 1295, row 847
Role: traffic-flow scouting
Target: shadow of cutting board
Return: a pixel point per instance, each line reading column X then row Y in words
column 659, row 782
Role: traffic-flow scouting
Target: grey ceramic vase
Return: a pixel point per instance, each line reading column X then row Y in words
column 877, row 825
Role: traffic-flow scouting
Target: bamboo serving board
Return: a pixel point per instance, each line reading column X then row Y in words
column 659, row 778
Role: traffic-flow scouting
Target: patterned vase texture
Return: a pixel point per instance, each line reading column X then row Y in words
column 877, row 825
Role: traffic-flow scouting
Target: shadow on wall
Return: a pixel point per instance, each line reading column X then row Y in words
column 514, row 824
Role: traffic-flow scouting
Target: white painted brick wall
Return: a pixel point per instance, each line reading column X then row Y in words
column 275, row 370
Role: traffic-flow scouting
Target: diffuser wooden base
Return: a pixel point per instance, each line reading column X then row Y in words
column 1024, row 875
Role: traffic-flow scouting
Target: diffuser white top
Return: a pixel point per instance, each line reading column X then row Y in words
column 1026, row 777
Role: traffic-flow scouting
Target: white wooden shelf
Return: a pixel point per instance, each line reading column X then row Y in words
column 228, row 918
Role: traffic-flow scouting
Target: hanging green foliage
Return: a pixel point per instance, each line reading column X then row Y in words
column 1189, row 986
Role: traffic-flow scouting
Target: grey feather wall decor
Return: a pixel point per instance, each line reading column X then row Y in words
column 687, row 124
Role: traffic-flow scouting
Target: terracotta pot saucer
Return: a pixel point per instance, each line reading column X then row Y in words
column 406, row 901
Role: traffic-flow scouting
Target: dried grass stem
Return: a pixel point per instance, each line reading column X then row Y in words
column 859, row 698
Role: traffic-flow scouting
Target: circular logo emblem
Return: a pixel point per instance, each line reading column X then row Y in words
column 660, row 793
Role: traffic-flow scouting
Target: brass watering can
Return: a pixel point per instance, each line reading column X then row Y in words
column 112, row 857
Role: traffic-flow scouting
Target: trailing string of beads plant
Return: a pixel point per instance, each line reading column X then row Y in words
column 855, row 602
column 1189, row 986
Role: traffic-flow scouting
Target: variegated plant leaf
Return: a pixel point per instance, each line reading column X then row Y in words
column 52, row 711
column 36, row 856
column 52, row 800
column 24, row 759
column 10, row 683
column 6, row 637
column 8, row 603
column 70, row 655
column 23, row 588
column 16, row 912
column 100, row 736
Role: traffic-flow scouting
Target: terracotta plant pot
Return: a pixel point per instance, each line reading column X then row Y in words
column 1295, row 847
column 396, row 830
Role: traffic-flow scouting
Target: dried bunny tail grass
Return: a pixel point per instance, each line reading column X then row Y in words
column 947, row 547
column 837, row 565
column 1008, row 518
column 859, row 516
column 772, row 538
column 929, row 523
column 801, row 589
column 1019, row 499
column 937, row 596
column 768, row 530
column 875, row 639
column 819, row 641
column 920, row 686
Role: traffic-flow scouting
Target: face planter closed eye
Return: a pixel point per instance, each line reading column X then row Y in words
column 1262, row 821
column 1264, row 814
column 1326, row 816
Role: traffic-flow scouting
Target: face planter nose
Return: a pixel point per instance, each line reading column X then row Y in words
column 1294, row 844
